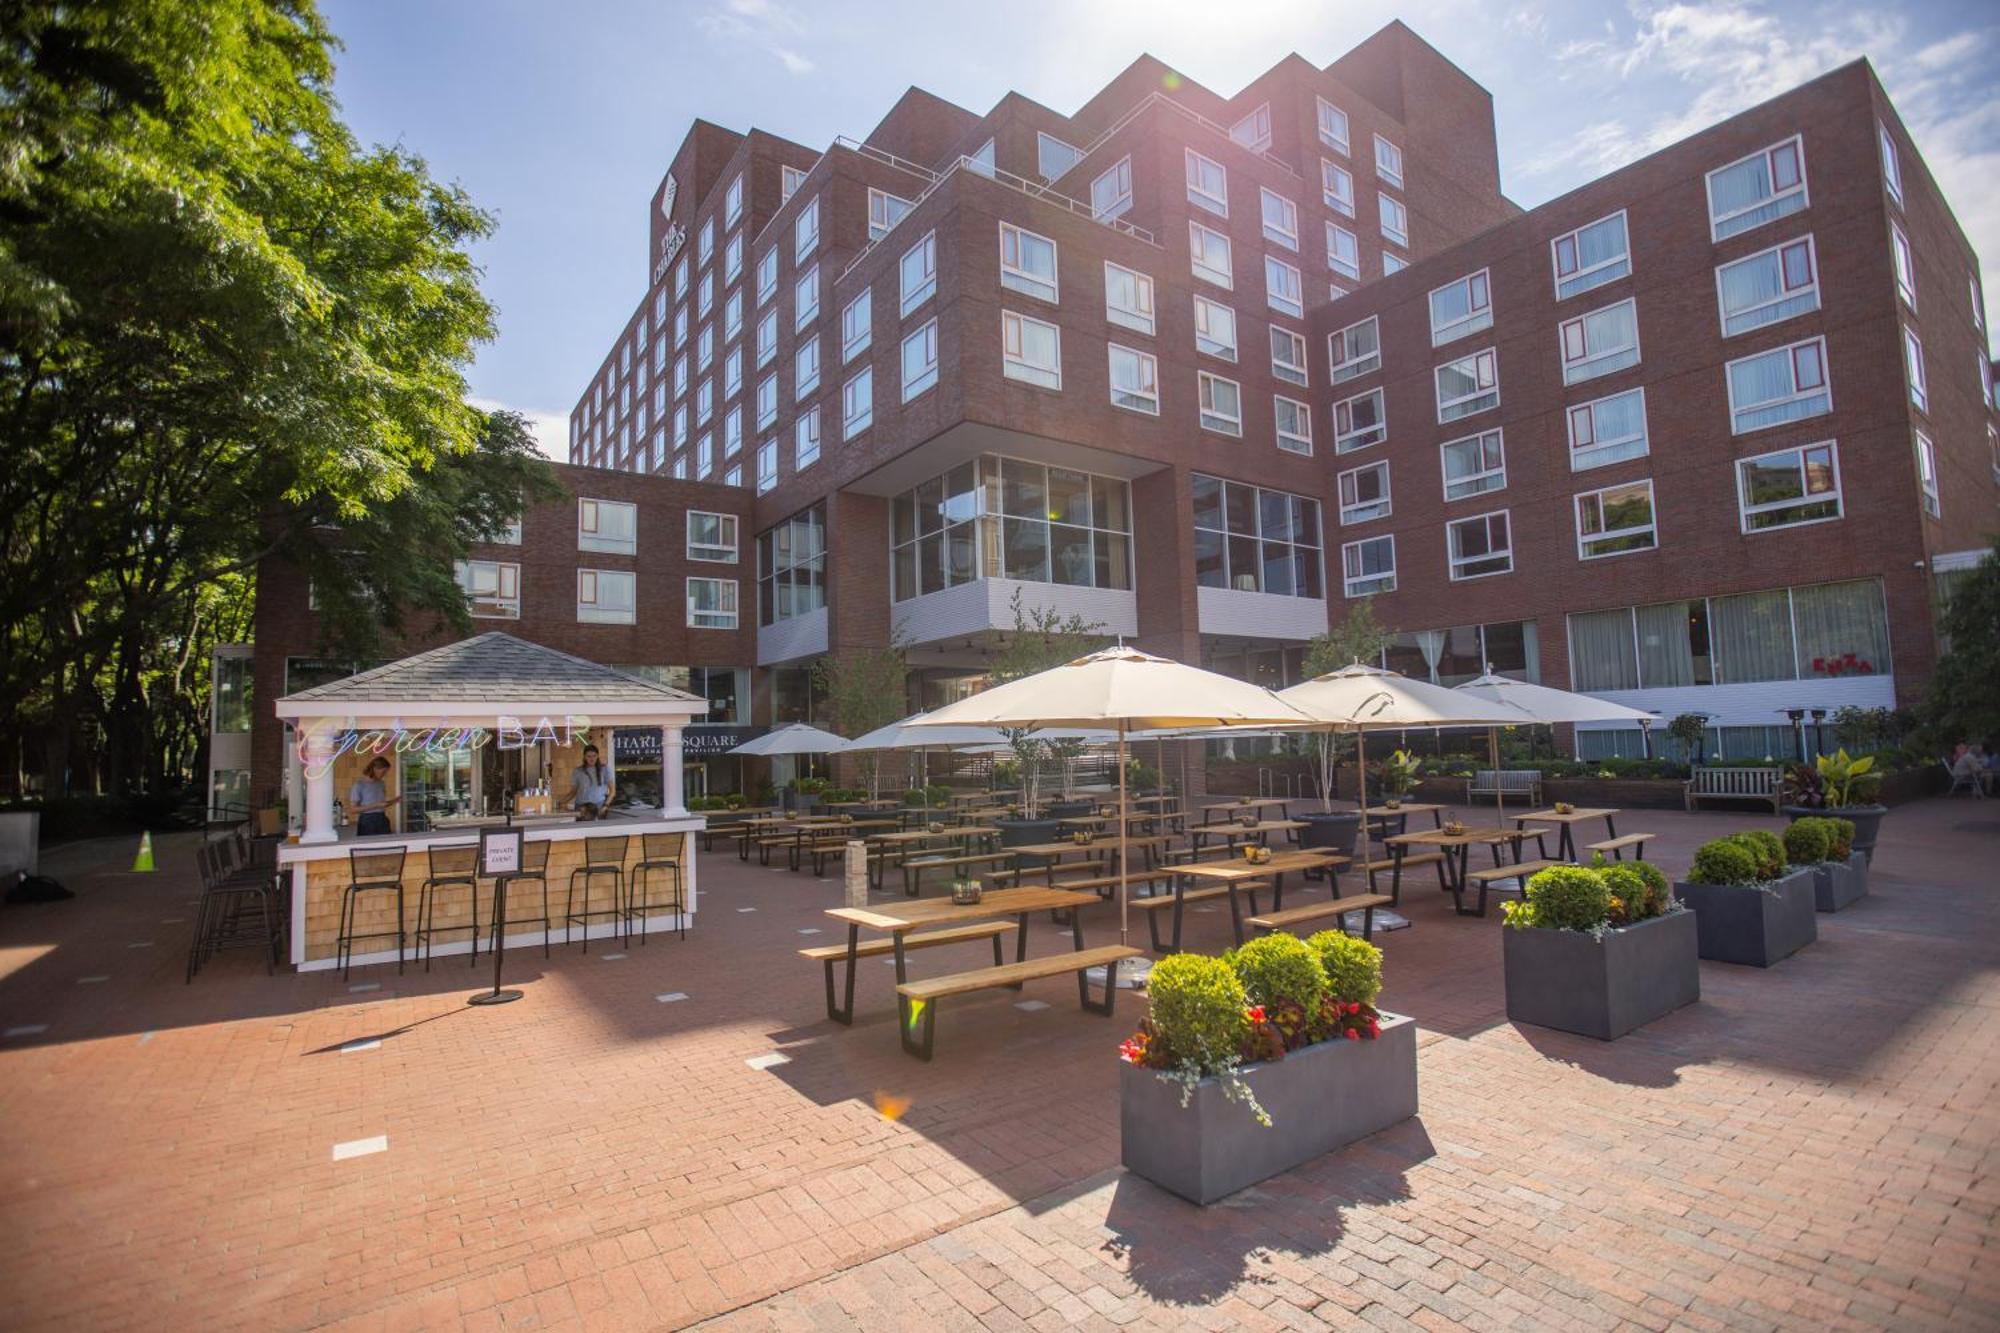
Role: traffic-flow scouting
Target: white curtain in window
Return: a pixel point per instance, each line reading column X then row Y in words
column 1752, row 637
column 1751, row 283
column 1740, row 186
column 1836, row 619
column 1666, row 656
column 1615, row 327
column 1600, row 241
column 1601, row 653
column 1762, row 379
column 1431, row 643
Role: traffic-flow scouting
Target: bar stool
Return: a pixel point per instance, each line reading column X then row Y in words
column 449, row 866
column 534, row 866
column 659, row 852
column 223, row 917
column 377, row 870
column 601, row 856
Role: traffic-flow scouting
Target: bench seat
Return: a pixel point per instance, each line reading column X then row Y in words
column 1364, row 903
column 829, row 954
column 917, row 1000
column 915, row 866
column 1616, row 846
column 1518, row 870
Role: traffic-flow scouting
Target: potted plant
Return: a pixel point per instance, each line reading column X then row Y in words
column 965, row 892
column 1748, row 906
column 1401, row 772
column 1284, row 1028
column 1842, row 788
column 1599, row 950
column 1826, row 846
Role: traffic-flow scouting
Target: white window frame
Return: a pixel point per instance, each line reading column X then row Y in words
column 767, row 337
column 926, row 337
column 1284, row 231
column 925, row 252
column 1579, row 368
column 1348, row 438
column 805, row 368
column 732, row 314
column 1024, row 280
column 1892, row 163
column 1149, row 372
column 1905, row 261
column 1927, row 475
column 1224, row 423
column 1141, row 320
column 1745, row 510
column 1486, row 380
column 805, row 230
column 732, row 201
column 1335, row 236
column 1292, row 369
column 500, row 604
column 591, row 528
column 859, row 389
column 1258, row 138
column 767, row 466
column 1340, row 371
column 767, row 275
column 1388, row 206
column 1913, row 370
column 1479, row 308
column 1224, row 278
column 1204, row 321
column 1197, row 190
column 1073, row 155
column 805, row 298
column 1651, row 527
column 805, row 440
column 1014, row 364
column 1720, row 228
column 883, row 213
column 1340, row 139
column 857, row 325
column 1644, row 437
column 1118, row 200
column 725, row 552
column 1791, row 350
column 1453, row 562
column 1384, row 579
column 1389, row 165
column 732, row 258
column 1774, row 253
column 1284, row 287
column 1298, row 440
column 593, row 608
column 1476, row 483
column 767, row 401
column 1350, row 509
column 723, row 617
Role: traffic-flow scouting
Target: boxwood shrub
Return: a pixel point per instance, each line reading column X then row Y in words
column 1198, row 1006
column 1277, row 968
column 1353, row 966
column 1723, row 861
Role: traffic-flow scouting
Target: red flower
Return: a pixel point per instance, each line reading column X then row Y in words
column 1819, row 664
column 1374, row 1028
column 1133, row 1049
column 1352, row 1035
column 1353, row 1007
column 1255, row 1013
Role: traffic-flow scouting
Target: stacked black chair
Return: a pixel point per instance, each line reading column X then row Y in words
column 660, row 854
column 240, row 904
column 375, row 870
column 602, row 857
column 450, row 867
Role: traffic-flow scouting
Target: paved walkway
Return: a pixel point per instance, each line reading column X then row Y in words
column 678, row 1134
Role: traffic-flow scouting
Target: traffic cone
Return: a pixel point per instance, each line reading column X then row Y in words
column 144, row 860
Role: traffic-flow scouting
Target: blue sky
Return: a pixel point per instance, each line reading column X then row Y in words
column 561, row 118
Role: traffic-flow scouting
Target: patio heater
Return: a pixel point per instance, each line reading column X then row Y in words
column 1819, row 732
column 1798, row 718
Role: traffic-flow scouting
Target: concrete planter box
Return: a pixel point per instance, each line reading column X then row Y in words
column 1319, row 1098
column 1838, row 884
column 1758, row 925
column 1867, row 821
column 1602, row 988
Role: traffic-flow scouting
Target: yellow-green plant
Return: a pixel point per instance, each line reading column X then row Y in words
column 1848, row 781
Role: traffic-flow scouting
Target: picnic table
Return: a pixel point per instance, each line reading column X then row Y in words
column 1565, row 839
column 1261, row 830
column 802, row 829
column 1401, row 813
column 1457, row 849
column 1243, row 807
column 748, row 829
column 909, row 841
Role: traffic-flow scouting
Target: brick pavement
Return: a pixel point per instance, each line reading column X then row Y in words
column 1808, row 1146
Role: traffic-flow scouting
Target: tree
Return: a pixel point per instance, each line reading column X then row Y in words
column 865, row 688
column 1041, row 639
column 1963, row 702
column 1359, row 638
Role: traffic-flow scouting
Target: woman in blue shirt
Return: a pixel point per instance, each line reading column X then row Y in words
column 370, row 800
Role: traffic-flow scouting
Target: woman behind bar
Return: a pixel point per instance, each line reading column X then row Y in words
column 589, row 786
column 370, row 799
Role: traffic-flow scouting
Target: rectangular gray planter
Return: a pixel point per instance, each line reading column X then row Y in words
column 1565, row 979
column 1319, row 1098
column 1747, row 923
column 1837, row 884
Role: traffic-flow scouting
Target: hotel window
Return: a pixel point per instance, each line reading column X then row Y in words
column 733, row 477
column 1208, row 251
column 1248, row 539
column 732, row 202
column 1343, row 252
column 1128, row 298
column 1368, row 566
column 660, row 356
column 1479, row 546
column 704, row 300
column 791, row 567
column 1214, row 329
column 704, row 343
column 1281, row 219
column 1031, row 350
column 1600, row 342
column 492, row 589
column 1388, row 162
column 1355, row 350
column 1254, row 130
column 857, row 325
column 1221, row 404
column 1284, row 290
column 1757, row 189
column 805, row 231
column 732, row 258
column 606, row 597
column 1615, row 521
column 1111, row 193
column 711, row 603
column 1927, row 477
column 885, row 210
column 1135, row 380
column 1395, row 219
column 767, row 401
column 1207, row 183
column 805, row 298
column 920, row 360
column 1978, row 307
column 1288, row 356
column 680, row 425
column 607, row 525
column 1332, row 126
column 1359, row 422
column 732, row 431
column 1364, row 493
column 1768, row 287
column 805, row 440
column 805, row 369
column 732, row 314
column 682, row 271
column 1474, row 465
column 767, row 338
column 705, row 244
column 1468, row 386
column 1027, row 262
column 1294, row 421
column 660, row 305
column 1913, row 366
column 1783, row 384
column 919, row 270
column 1789, row 487
column 1461, row 308
column 857, row 403
column 767, row 276
column 680, row 468
column 1336, row 187
column 1906, row 265
column 704, row 402
column 1007, row 518
column 1053, row 157
column 980, row 160
column 767, row 466
column 1892, row 168
column 1608, row 430
column 704, row 456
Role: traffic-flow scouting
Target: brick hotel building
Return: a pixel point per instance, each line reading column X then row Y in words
column 1206, row 370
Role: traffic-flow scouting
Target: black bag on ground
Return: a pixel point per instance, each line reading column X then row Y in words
column 37, row 889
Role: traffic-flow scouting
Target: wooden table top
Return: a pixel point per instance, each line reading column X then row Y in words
column 1235, row 826
column 925, row 835
column 1406, row 808
column 834, row 825
column 765, row 821
column 1236, row 868
column 1575, row 816
column 1254, row 802
column 1099, row 844
column 1439, row 838
column 900, row 917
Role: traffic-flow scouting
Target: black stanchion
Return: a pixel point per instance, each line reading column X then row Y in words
column 500, row 857
column 498, row 996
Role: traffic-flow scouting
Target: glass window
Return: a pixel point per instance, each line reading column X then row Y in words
column 704, row 342
column 704, row 402
column 1608, row 430
column 767, row 276
column 732, row 202
column 919, row 272
column 711, row 603
column 732, row 258
column 1395, row 219
column 767, row 466
column 857, row 325
column 1281, row 218
column 1757, row 189
column 1111, row 193
column 1467, row 386
column 1789, row 487
column 492, row 592
column 1368, row 566
column 1343, row 252
column 1009, row 518
column 1364, row 493
column 1388, row 161
column 1053, row 157
column 805, row 298
column 1288, row 356
column 1214, row 329
column 705, row 294
column 606, row 597
column 1927, row 476
column 805, row 369
column 1913, row 366
column 1474, row 465
column 1332, row 126
column 1031, row 350
column 1135, row 380
column 1460, row 308
column 857, row 403
column 980, row 161
column 805, row 440
column 1906, row 265
column 767, row 401
column 805, row 231
column 1752, row 635
column 1336, row 187
column 732, row 373
column 1615, row 520
column 1254, row 130
column 1221, row 404
column 732, row 430
column 1832, row 620
column 1600, row 342
column 884, row 211
column 920, row 360
column 732, row 315
column 1207, row 183
column 1359, row 422
column 607, row 525
column 1602, row 654
column 1283, row 288
column 1892, row 167
column 1479, row 546
column 1294, row 420
column 1767, row 287
column 1355, row 350
column 1209, row 253
column 1252, row 540
column 791, row 566
column 1128, row 298
column 1781, row 385
column 711, row 536
column 1027, row 262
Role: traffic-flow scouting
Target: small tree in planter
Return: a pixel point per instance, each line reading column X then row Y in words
column 1598, row 950
column 1041, row 639
column 1826, row 846
column 1841, row 787
column 1749, row 906
column 1358, row 638
column 865, row 688
column 1400, row 773
column 1691, row 730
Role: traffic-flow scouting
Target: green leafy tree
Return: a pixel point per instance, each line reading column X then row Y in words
column 1042, row 638
column 865, row 688
column 1358, row 638
column 1963, row 702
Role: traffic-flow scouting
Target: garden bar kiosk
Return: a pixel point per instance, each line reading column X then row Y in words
column 490, row 690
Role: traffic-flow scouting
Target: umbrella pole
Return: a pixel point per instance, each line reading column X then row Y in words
column 1499, row 796
column 1124, row 880
column 1361, row 786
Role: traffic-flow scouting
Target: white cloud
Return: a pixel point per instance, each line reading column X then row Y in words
column 762, row 23
column 551, row 429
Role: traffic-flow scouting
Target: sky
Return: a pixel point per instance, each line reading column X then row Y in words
column 560, row 118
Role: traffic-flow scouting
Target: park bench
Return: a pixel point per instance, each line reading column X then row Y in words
column 1503, row 783
column 1153, row 904
column 1396, row 863
column 1364, row 903
column 1732, row 784
column 915, row 866
column 829, row 954
column 1488, row 876
column 917, row 1001
column 1616, row 846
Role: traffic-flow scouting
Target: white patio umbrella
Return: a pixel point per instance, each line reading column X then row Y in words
column 793, row 738
column 903, row 735
column 1545, row 703
column 1125, row 690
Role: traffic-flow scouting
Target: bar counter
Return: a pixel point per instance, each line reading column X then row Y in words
column 320, row 874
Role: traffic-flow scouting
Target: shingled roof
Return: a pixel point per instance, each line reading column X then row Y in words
column 495, row 668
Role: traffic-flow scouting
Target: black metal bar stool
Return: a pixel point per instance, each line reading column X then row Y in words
column 223, row 918
column 601, row 856
column 534, row 866
column 377, row 870
column 659, row 853
column 451, row 867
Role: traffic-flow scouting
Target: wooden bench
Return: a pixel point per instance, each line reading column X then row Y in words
column 821, row 848
column 1504, row 782
column 1396, row 865
column 915, row 866
column 1153, row 904
column 1487, row 876
column 1364, row 903
column 917, row 1001
column 829, row 954
column 1616, row 846
column 1732, row 784
column 1001, row 878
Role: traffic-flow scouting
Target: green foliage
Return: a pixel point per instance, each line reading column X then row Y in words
column 1353, row 966
column 933, row 795
column 1400, row 772
column 865, row 688
column 1723, row 861
column 1197, row 1010
column 812, row 786
column 1691, row 730
column 1279, row 967
column 1041, row 639
column 1562, row 898
column 1808, row 840
column 1963, row 701
column 1358, row 638
column 1140, row 776
column 1639, row 891
column 1767, row 848
column 1840, row 838
column 1847, row 781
